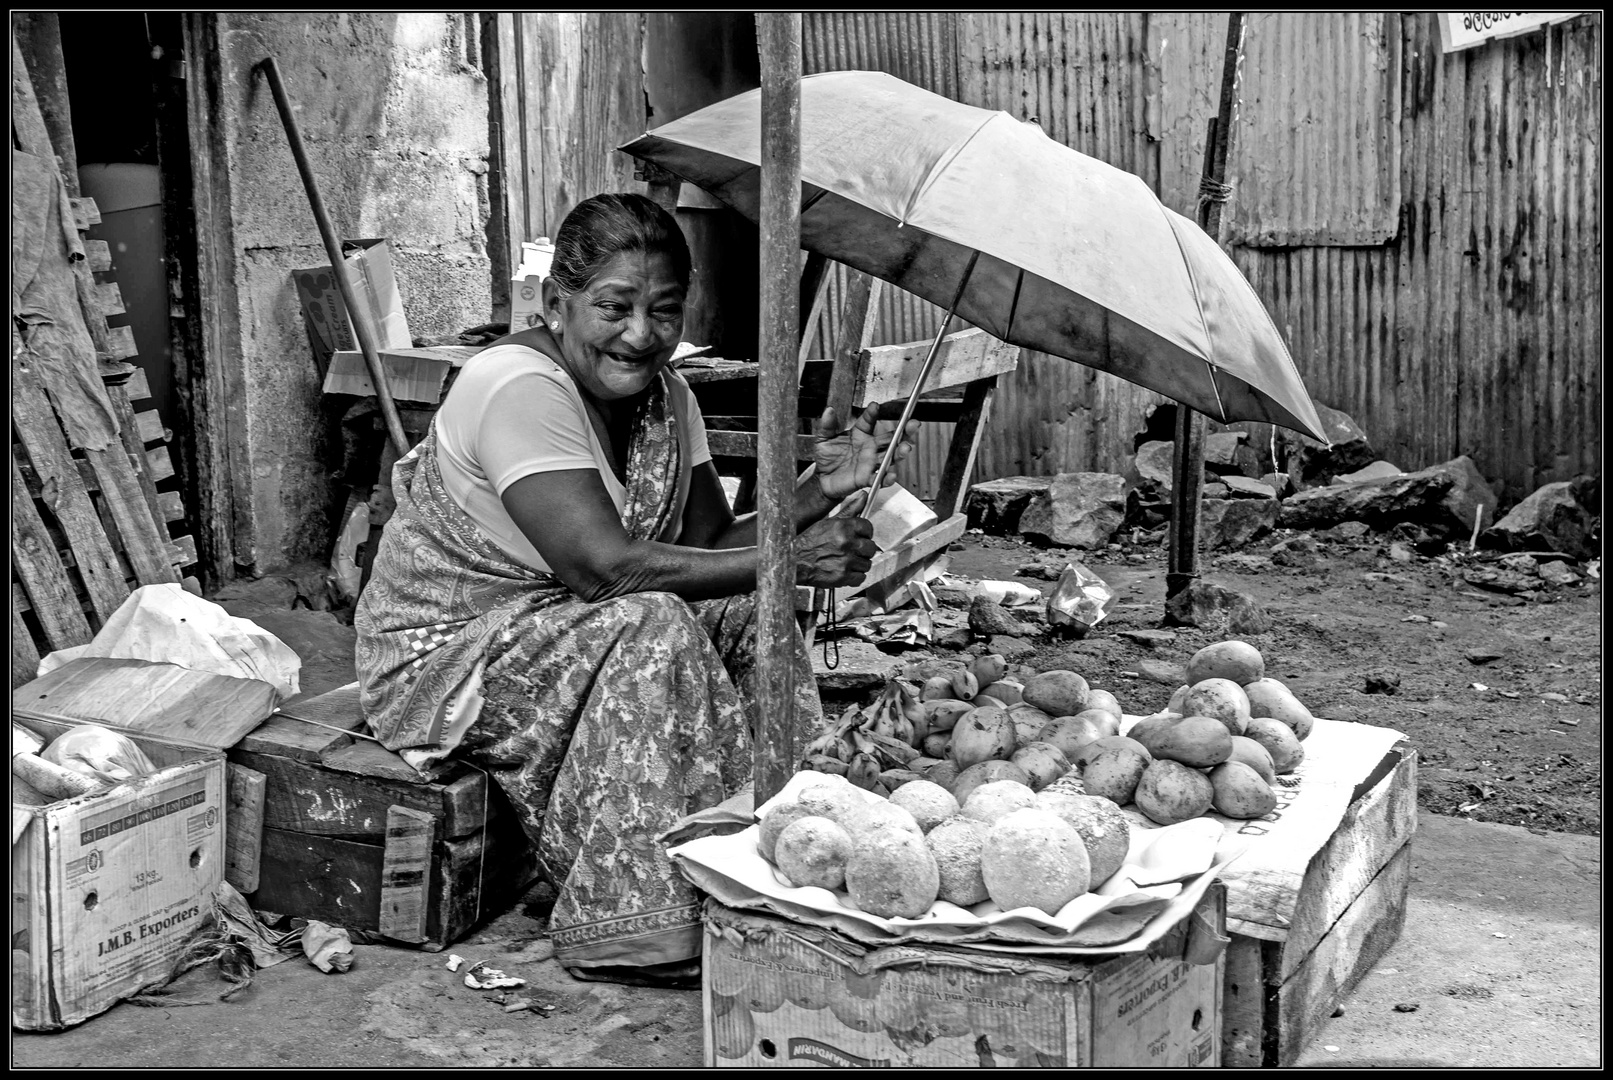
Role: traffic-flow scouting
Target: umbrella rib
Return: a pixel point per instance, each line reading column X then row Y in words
column 939, row 167
column 1013, row 308
column 1199, row 304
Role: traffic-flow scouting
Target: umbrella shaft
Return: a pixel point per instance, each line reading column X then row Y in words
column 907, row 410
column 918, row 386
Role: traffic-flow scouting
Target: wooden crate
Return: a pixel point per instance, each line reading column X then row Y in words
column 348, row 833
column 1352, row 906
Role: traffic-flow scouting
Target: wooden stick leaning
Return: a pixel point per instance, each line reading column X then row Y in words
column 333, row 250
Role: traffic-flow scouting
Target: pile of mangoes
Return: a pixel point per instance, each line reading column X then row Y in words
column 971, row 725
column 1220, row 744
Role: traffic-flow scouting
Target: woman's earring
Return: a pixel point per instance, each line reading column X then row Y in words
column 554, row 326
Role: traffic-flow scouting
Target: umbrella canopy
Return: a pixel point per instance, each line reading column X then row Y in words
column 1076, row 258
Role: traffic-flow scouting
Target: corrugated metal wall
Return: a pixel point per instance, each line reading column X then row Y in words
column 1440, row 216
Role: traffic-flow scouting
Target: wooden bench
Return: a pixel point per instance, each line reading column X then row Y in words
column 348, row 833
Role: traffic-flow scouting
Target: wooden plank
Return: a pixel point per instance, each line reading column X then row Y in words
column 406, row 874
column 51, row 595
column 290, row 738
column 243, row 826
column 320, row 877
column 149, row 426
column 1374, row 827
column 163, row 700
column 160, row 464
column 922, row 546
column 170, row 506
column 478, row 876
column 138, row 387
column 1243, row 1004
column 182, row 551
column 40, row 35
column 327, row 802
column 859, row 315
column 118, row 341
column 27, row 121
column 1356, row 942
column 889, row 372
column 109, row 298
column 24, row 654
column 117, row 391
column 337, row 708
column 98, row 255
column 365, row 757
column 960, row 462
column 743, row 444
column 35, row 422
column 85, row 213
column 144, row 538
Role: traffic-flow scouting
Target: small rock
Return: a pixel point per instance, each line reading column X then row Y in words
column 1039, row 571
column 1149, row 638
column 1244, row 564
column 1401, row 553
column 1444, row 498
column 1483, row 655
column 1382, row 681
column 1378, row 470
column 1232, row 524
column 1348, row 530
column 1407, row 1006
column 954, row 639
column 1338, row 1011
column 1437, row 625
column 1415, row 618
column 1280, row 482
column 1134, row 559
column 1010, row 647
column 1551, row 517
column 987, row 618
column 1162, row 672
column 1080, row 510
column 1149, row 473
column 1220, row 447
column 1215, row 490
column 1519, row 563
column 1214, row 607
column 1556, row 573
column 1556, row 699
column 1314, row 462
column 518, row 1005
column 1241, row 487
column 996, row 505
column 1502, row 581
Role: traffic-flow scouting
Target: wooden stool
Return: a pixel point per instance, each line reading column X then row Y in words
column 352, row 836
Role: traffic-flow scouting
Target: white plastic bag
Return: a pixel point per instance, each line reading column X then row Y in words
column 99, row 753
column 167, row 625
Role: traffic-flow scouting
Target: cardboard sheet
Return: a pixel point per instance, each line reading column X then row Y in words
column 1165, row 873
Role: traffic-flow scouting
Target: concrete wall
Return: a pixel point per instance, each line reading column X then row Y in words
column 393, row 111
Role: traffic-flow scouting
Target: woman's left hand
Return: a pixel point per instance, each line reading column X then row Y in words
column 847, row 459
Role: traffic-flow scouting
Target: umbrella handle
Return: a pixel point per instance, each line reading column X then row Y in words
column 918, row 386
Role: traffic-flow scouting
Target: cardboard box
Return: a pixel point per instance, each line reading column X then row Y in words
column 526, row 288
column 107, row 889
column 413, row 375
column 324, row 315
column 777, row 993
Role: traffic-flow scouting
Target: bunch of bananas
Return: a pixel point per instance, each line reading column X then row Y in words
column 863, row 743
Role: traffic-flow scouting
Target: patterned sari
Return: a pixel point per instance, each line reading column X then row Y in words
column 605, row 723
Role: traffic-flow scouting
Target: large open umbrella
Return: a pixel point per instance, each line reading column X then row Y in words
column 1029, row 240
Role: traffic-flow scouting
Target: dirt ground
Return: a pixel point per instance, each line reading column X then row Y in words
column 1473, row 667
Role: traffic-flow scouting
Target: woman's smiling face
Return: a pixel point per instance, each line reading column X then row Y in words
column 621, row 329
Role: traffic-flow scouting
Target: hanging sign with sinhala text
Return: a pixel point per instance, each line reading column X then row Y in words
column 1465, row 29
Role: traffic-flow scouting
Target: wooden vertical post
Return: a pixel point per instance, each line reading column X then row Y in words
column 1187, row 462
column 779, row 40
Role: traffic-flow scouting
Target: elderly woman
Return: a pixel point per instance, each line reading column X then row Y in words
column 564, row 598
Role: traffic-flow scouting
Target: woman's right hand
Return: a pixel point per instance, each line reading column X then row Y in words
column 835, row 552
